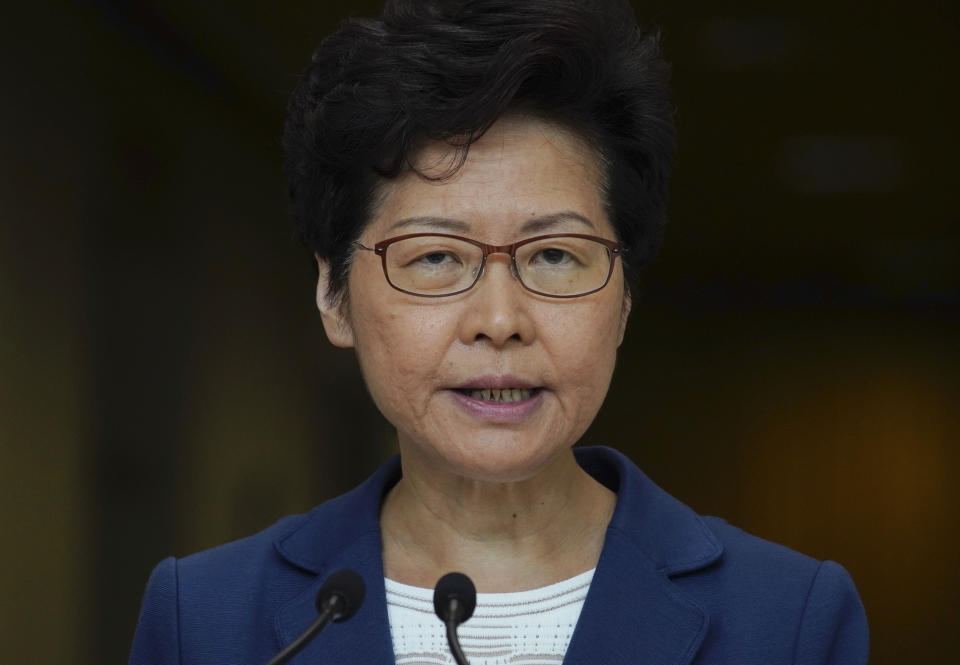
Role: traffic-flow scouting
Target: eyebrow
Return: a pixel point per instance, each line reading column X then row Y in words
column 436, row 223
column 533, row 225
column 550, row 222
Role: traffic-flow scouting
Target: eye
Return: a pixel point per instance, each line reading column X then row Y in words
column 552, row 256
column 437, row 258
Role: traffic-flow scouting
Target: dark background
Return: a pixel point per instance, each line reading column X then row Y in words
column 165, row 384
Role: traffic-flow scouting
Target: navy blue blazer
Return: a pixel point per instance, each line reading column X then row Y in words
column 671, row 588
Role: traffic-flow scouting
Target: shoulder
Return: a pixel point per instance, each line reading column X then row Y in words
column 761, row 602
column 294, row 544
column 750, row 559
column 761, row 587
column 746, row 556
column 221, row 604
column 244, row 559
column 241, row 560
column 212, row 592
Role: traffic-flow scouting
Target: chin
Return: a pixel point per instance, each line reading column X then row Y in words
column 501, row 461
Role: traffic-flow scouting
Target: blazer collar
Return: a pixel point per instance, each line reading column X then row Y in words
column 633, row 612
column 667, row 532
column 341, row 533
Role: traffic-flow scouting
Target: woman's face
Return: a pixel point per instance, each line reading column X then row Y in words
column 423, row 359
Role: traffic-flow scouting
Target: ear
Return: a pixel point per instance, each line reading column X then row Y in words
column 625, row 314
column 335, row 321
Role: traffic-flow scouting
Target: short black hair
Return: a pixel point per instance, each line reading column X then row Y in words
column 447, row 70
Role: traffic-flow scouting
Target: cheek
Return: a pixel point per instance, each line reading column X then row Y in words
column 584, row 351
column 400, row 354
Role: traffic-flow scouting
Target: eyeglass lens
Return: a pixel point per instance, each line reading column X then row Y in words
column 436, row 265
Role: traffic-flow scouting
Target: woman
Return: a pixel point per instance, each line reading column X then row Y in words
column 477, row 179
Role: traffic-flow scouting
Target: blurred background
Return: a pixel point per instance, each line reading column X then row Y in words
column 165, row 384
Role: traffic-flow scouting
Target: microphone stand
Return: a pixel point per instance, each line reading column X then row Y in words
column 330, row 610
column 452, row 639
column 339, row 598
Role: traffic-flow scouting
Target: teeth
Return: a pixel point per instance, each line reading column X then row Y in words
column 502, row 395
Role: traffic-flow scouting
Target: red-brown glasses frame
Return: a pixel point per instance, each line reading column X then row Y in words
column 613, row 251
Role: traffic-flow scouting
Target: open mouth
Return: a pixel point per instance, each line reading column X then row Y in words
column 501, row 394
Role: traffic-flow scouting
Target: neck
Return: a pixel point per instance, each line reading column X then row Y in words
column 506, row 536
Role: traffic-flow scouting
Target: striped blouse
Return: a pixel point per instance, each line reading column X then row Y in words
column 519, row 628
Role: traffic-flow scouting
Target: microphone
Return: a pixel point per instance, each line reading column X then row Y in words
column 338, row 599
column 454, row 599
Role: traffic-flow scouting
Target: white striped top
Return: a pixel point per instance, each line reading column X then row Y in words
column 518, row 628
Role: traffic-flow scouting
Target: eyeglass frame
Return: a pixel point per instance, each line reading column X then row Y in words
column 614, row 249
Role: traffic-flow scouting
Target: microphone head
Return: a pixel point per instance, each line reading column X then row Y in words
column 454, row 586
column 349, row 587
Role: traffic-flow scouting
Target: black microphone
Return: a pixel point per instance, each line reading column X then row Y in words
column 338, row 599
column 454, row 599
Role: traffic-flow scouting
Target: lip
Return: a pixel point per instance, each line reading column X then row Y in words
column 498, row 412
column 496, row 382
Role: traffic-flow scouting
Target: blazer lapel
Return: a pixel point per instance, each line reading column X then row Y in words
column 362, row 640
column 634, row 614
column 341, row 533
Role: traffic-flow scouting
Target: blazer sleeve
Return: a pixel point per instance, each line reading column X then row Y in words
column 157, row 640
column 833, row 629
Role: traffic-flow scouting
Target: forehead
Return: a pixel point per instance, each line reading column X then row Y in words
column 521, row 169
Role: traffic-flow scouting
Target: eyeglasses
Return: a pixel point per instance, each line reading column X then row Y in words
column 559, row 265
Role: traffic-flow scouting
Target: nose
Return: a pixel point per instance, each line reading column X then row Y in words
column 498, row 307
